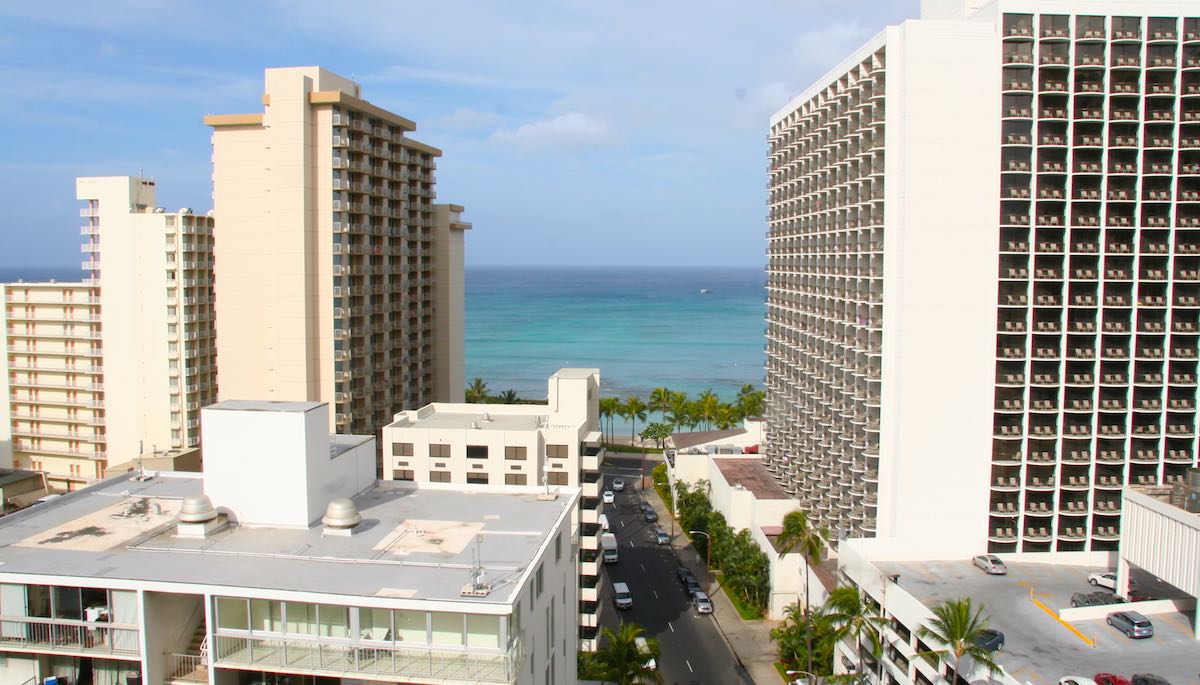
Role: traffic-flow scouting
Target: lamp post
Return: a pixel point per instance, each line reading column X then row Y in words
column 707, row 549
column 809, row 678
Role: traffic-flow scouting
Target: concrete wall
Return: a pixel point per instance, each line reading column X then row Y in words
column 449, row 308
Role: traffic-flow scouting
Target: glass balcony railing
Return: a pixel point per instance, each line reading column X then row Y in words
column 27, row 634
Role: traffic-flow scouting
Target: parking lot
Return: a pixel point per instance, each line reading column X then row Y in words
column 1038, row 648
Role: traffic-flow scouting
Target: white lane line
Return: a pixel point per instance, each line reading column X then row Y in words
column 670, row 626
column 631, row 544
column 622, row 524
column 689, row 665
column 655, row 593
column 643, row 569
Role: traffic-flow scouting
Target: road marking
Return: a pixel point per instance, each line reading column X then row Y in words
column 670, row 626
column 1070, row 627
column 622, row 524
column 631, row 544
column 643, row 569
column 655, row 593
column 689, row 665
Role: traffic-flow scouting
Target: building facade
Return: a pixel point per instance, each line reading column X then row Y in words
column 984, row 243
column 337, row 278
column 549, row 446
column 136, row 334
column 333, row 578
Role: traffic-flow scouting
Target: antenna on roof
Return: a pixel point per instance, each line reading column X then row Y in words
column 476, row 588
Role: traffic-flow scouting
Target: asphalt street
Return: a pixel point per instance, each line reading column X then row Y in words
column 693, row 651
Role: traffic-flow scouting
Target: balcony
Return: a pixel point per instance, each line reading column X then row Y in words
column 346, row 659
column 62, row 636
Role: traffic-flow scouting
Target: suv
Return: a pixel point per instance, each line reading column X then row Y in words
column 1131, row 623
column 621, row 596
column 703, row 603
column 991, row 564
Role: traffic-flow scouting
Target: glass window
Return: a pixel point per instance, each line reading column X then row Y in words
column 483, row 631
column 514, row 452
column 402, row 449
column 231, row 614
column 477, row 451
column 447, row 628
column 556, row 451
column 68, row 603
column 266, row 616
column 335, row 620
column 439, row 451
column 301, row 618
column 411, row 626
column 375, row 624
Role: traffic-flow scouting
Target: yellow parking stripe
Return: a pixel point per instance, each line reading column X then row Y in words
column 1073, row 629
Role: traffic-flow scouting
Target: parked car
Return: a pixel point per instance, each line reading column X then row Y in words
column 608, row 497
column 1108, row 580
column 1093, row 599
column 660, row 537
column 1076, row 680
column 1110, row 679
column 621, row 596
column 649, row 515
column 1149, row 679
column 684, row 574
column 691, row 587
column 1133, row 624
column 618, row 485
column 1135, row 597
column 991, row 564
column 644, row 648
column 991, row 640
column 702, row 603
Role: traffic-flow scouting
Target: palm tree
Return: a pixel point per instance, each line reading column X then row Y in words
column 726, row 416
column 707, row 405
column 852, row 615
column 635, row 410
column 508, row 397
column 477, row 391
column 609, row 407
column 959, row 626
column 750, row 401
column 660, row 401
column 678, row 410
column 800, row 535
column 621, row 661
column 793, row 647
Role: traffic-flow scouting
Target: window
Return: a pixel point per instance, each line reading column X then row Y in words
column 301, row 618
column 411, row 626
column 231, row 614
column 557, row 477
column 442, row 451
column 402, row 449
column 335, row 620
column 439, row 476
column 477, row 478
column 477, row 452
column 375, row 624
column 514, row 479
column 266, row 616
column 447, row 629
column 514, row 453
column 558, row 547
column 538, row 581
column 556, row 451
column 483, row 631
column 403, row 474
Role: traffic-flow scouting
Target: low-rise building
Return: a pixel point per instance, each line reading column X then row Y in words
column 287, row 560
column 549, row 445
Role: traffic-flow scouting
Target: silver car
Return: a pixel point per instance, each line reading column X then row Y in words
column 1131, row 623
column 991, row 564
column 703, row 603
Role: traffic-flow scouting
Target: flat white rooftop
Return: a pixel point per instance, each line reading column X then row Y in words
column 579, row 373
column 263, row 405
column 1037, row 648
column 440, row 419
column 414, row 542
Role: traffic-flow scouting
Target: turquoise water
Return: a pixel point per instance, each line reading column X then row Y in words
column 642, row 327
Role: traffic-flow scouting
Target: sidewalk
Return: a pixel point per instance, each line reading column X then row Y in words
column 749, row 640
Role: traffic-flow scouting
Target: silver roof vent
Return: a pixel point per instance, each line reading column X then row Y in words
column 341, row 517
column 197, row 509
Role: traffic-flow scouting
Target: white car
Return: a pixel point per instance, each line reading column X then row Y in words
column 608, row 497
column 991, row 564
column 1108, row 580
column 644, row 648
column 1076, row 680
column 618, row 485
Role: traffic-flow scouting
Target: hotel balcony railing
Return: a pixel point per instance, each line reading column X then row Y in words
column 345, row 659
column 26, row 634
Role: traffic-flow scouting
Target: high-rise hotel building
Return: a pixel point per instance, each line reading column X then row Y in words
column 118, row 365
column 984, row 276
column 330, row 255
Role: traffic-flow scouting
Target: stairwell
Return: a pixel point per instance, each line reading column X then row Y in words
column 191, row 666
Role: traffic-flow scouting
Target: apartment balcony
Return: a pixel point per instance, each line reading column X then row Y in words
column 1106, row 533
column 365, row 660
column 1006, row 484
column 1038, row 509
column 1040, row 533
column 71, row 638
column 1072, row 533
column 1002, row 535
column 1109, row 482
column 1075, row 483
column 1040, row 483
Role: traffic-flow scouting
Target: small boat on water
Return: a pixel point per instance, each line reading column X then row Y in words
column 705, row 291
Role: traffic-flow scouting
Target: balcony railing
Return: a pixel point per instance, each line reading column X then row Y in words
column 316, row 656
column 25, row 634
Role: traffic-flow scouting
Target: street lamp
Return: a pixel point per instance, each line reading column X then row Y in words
column 810, row 679
column 707, row 549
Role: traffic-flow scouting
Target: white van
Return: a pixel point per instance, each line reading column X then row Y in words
column 602, row 519
column 644, row 648
column 621, row 596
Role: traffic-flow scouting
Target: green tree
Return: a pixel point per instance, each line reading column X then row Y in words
column 660, row 401
column 726, row 417
column 609, row 407
column 706, row 406
column 658, row 432
column 620, row 660
column 958, row 626
column 678, row 413
column 508, row 397
column 635, row 410
column 750, row 401
column 793, row 638
column 854, row 616
column 477, row 391
column 810, row 541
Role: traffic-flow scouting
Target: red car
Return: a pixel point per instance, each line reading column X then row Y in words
column 1110, row 679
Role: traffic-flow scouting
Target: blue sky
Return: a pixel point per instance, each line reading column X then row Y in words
column 580, row 133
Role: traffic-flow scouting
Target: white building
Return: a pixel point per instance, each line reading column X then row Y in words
column 984, row 277
column 143, row 580
column 117, row 366
column 547, row 445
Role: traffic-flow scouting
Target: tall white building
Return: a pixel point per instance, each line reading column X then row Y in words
column 329, row 576
column 118, row 365
column 984, row 276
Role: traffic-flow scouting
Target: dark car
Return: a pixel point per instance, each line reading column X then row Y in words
column 649, row 515
column 1093, row 599
column 1149, row 679
column 685, row 574
column 991, row 640
column 692, row 586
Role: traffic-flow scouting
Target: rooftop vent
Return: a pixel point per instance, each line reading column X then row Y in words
column 341, row 517
column 475, row 425
column 487, row 416
column 198, row 518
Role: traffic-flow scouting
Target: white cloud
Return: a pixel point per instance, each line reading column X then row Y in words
column 464, row 118
column 571, row 130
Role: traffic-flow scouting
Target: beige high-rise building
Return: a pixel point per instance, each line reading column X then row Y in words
column 118, row 365
column 337, row 280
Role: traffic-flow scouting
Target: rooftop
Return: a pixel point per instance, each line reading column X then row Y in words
column 10, row 476
column 414, row 542
column 1037, row 647
column 435, row 417
column 579, row 373
column 694, row 438
column 751, row 475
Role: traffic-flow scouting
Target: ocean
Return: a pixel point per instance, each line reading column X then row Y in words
column 685, row 328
